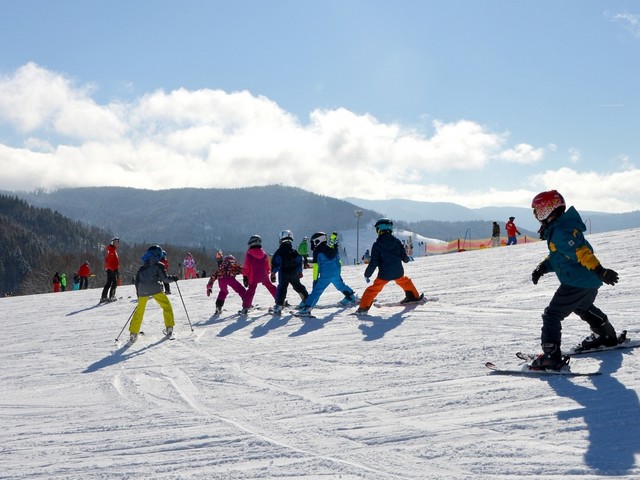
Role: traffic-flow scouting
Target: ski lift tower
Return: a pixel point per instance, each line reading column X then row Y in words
column 357, row 214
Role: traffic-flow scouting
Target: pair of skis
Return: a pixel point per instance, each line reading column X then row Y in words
column 525, row 368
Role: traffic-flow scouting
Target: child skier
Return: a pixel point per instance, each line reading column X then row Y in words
column 226, row 276
column 254, row 271
column 387, row 255
column 148, row 282
column 326, row 270
column 288, row 264
column 580, row 274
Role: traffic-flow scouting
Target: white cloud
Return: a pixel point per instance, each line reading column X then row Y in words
column 211, row 138
column 629, row 21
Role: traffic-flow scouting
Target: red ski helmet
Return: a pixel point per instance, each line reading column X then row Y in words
column 545, row 203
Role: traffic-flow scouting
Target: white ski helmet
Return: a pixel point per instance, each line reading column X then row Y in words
column 285, row 236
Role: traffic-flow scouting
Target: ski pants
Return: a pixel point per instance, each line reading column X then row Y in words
column 565, row 301
column 224, row 284
column 378, row 284
column 292, row 279
column 190, row 272
column 109, row 290
column 251, row 291
column 322, row 283
column 162, row 300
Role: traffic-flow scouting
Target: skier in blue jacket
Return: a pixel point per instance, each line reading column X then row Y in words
column 580, row 274
column 326, row 270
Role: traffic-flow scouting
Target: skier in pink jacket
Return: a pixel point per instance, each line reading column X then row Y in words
column 255, row 270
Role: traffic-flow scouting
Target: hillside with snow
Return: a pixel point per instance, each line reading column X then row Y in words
column 400, row 394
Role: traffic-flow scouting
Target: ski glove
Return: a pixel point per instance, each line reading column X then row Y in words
column 367, row 279
column 173, row 277
column 272, row 277
column 537, row 273
column 208, row 292
column 609, row 277
column 245, row 281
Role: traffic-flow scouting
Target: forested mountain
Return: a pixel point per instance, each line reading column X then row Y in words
column 202, row 218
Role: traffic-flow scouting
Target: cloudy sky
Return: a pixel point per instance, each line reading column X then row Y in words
column 479, row 103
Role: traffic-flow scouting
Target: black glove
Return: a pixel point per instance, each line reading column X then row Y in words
column 173, row 278
column 245, row 281
column 208, row 292
column 609, row 277
column 272, row 277
column 537, row 273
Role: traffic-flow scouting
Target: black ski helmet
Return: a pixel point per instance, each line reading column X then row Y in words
column 255, row 241
column 318, row 238
column 384, row 225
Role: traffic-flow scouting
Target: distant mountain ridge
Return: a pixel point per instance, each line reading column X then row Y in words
column 416, row 211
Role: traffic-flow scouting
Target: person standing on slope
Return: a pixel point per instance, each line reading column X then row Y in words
column 495, row 235
column 255, row 270
column 387, row 255
column 226, row 276
column 326, row 270
column 111, row 266
column 84, row 272
column 512, row 230
column 287, row 263
column 149, row 283
column 189, row 265
column 580, row 274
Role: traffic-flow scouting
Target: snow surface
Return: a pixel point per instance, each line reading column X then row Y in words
column 402, row 394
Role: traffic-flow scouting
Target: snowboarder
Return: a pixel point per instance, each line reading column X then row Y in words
column 226, row 276
column 387, row 255
column 111, row 266
column 326, row 270
column 255, row 270
column 148, row 281
column 580, row 274
column 287, row 263
column 512, row 230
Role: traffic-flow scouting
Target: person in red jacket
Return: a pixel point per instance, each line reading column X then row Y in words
column 112, row 266
column 512, row 230
column 83, row 274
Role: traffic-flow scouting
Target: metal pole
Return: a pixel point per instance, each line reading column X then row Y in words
column 125, row 325
column 185, row 307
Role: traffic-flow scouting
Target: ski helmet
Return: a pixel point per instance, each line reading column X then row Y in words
column 318, row 238
column 115, row 239
column 229, row 259
column 384, row 225
column 255, row 241
column 286, row 236
column 153, row 252
column 546, row 203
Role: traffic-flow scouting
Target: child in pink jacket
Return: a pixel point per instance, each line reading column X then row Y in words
column 255, row 270
column 226, row 276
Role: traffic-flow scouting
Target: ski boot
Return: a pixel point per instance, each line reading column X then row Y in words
column 604, row 336
column 550, row 359
column 411, row 298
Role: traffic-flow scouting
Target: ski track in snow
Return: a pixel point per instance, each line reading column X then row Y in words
column 400, row 394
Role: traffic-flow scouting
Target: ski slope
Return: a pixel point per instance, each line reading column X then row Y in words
column 402, row 394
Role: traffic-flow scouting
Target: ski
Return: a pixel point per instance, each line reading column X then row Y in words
column 524, row 370
column 303, row 315
column 623, row 343
column 421, row 301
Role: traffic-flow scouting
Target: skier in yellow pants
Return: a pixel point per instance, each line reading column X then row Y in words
column 149, row 283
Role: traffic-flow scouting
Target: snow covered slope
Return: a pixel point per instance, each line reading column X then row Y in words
column 402, row 394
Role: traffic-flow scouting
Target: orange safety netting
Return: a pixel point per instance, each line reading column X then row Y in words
column 461, row 245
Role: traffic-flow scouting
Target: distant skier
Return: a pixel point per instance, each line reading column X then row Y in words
column 580, row 273
column 111, row 266
column 495, row 235
column 63, row 282
column 148, row 281
column 303, row 250
column 326, row 271
column 226, row 276
column 84, row 272
column 189, row 265
column 387, row 255
column 512, row 230
column 255, row 270
column 56, row 282
column 165, row 262
column 287, row 263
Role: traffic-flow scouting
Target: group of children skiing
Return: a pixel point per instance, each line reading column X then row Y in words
column 570, row 256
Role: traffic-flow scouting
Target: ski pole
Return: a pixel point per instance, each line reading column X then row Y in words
column 125, row 325
column 185, row 307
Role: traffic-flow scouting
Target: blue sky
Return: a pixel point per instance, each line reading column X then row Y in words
column 477, row 103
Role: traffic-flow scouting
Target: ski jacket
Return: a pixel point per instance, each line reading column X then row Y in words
column 303, row 248
column 256, row 265
column 511, row 229
column 387, row 255
column 189, row 262
column 495, row 232
column 326, row 261
column 286, row 260
column 111, row 261
column 571, row 256
column 84, row 270
column 150, row 277
column 227, row 269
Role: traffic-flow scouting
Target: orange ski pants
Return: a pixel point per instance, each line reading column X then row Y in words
column 378, row 284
